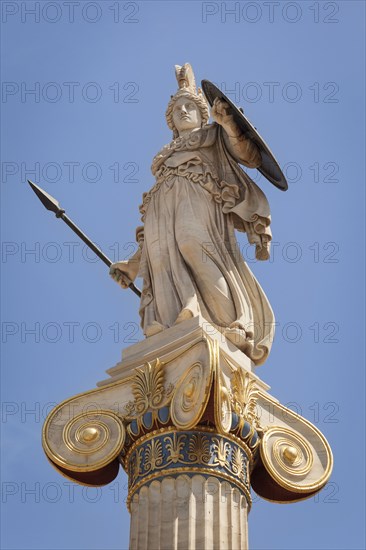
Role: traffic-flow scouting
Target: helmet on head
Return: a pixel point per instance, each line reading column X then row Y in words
column 187, row 88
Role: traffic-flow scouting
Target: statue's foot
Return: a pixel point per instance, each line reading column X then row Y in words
column 240, row 339
column 183, row 316
column 154, row 328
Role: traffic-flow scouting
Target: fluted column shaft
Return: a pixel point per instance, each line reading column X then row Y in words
column 189, row 513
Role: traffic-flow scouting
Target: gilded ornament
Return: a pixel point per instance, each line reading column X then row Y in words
column 238, row 463
column 174, row 446
column 222, row 449
column 148, row 387
column 291, row 461
column 135, row 465
column 85, row 443
column 244, row 396
column 153, row 455
column 170, row 453
column 223, row 406
column 189, row 391
column 199, row 449
column 149, row 392
column 190, row 396
column 290, row 454
column 89, row 434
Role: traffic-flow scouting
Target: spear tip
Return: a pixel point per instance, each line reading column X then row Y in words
column 47, row 200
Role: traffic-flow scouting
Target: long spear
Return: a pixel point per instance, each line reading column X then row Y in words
column 52, row 204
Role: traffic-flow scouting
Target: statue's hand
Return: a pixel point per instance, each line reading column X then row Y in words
column 123, row 273
column 221, row 112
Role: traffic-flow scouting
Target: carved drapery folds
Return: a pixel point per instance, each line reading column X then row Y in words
column 189, row 407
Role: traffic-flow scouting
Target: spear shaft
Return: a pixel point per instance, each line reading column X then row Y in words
column 84, row 238
column 52, row 204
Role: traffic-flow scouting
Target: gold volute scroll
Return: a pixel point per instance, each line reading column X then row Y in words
column 190, row 396
column 223, row 405
column 88, row 442
column 291, row 467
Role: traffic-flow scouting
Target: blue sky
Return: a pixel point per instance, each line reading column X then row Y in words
column 102, row 74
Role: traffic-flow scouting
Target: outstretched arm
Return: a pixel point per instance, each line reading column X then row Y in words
column 242, row 148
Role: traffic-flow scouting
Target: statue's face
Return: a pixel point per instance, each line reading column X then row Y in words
column 186, row 115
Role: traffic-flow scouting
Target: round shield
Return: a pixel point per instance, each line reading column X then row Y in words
column 269, row 167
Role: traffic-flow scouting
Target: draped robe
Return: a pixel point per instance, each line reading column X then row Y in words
column 190, row 262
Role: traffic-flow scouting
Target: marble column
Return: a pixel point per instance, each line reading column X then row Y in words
column 189, row 513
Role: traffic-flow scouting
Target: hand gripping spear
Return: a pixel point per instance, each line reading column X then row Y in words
column 52, row 204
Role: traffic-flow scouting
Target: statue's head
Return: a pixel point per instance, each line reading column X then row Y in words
column 187, row 109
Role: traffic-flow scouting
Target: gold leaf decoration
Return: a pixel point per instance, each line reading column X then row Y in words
column 199, row 448
column 190, row 396
column 153, row 455
column 224, row 406
column 244, row 396
column 238, row 463
column 174, row 446
column 136, row 465
column 147, row 388
column 222, row 449
column 86, row 441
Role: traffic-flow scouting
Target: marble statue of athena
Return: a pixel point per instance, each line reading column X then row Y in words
column 188, row 256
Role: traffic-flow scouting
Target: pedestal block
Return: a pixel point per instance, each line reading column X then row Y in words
column 193, row 427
